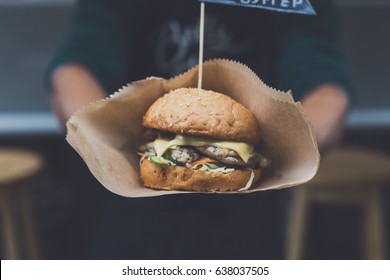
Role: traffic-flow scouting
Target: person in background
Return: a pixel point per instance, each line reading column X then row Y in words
column 115, row 42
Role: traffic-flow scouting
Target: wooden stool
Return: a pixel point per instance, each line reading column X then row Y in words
column 347, row 176
column 18, row 233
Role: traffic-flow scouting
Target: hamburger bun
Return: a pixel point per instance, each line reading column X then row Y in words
column 187, row 179
column 203, row 113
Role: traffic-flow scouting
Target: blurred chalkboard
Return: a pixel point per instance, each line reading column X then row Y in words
column 29, row 36
column 365, row 44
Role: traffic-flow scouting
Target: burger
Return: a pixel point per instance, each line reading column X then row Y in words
column 200, row 140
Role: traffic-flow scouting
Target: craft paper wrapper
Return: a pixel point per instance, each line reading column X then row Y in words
column 107, row 133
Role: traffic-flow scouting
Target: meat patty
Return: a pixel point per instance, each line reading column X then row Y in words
column 149, row 147
column 185, row 155
column 231, row 157
column 181, row 154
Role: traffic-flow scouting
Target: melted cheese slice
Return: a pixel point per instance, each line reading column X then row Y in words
column 161, row 145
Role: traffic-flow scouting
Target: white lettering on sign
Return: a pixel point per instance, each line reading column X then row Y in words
column 285, row 3
column 288, row 6
column 266, row 2
column 297, row 2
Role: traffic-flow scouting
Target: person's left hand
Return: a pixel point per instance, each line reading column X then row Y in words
column 326, row 107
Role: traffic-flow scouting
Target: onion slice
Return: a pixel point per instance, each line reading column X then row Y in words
column 249, row 183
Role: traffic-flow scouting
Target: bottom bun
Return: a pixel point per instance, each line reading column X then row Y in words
column 187, row 179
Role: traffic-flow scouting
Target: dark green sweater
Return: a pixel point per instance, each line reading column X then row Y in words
column 122, row 41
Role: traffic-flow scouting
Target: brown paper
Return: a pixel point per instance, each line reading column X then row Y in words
column 107, row 133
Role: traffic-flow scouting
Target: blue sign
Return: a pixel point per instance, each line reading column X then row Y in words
column 287, row 6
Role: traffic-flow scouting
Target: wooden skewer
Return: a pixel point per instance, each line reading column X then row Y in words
column 201, row 44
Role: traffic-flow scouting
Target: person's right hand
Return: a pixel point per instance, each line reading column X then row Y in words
column 74, row 86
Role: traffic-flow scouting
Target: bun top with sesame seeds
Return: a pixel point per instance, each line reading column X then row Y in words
column 203, row 113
